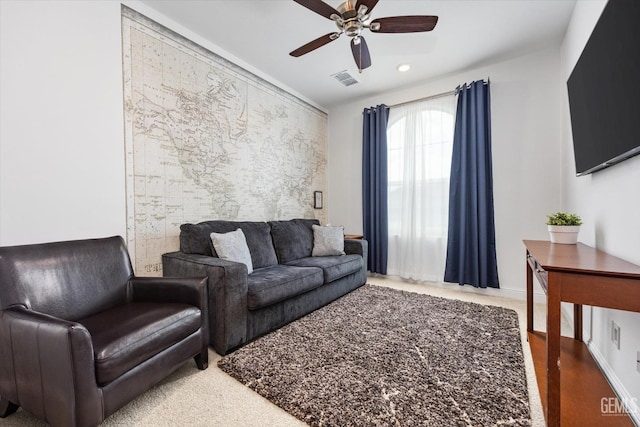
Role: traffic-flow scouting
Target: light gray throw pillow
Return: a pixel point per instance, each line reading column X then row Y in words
column 232, row 246
column 327, row 240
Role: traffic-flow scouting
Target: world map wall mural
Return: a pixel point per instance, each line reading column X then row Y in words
column 206, row 139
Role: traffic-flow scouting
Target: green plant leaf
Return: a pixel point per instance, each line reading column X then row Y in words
column 563, row 218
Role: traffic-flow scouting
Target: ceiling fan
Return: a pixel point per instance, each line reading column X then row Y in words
column 352, row 17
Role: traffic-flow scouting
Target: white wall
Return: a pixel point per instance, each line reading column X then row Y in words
column 62, row 159
column 606, row 201
column 61, row 144
column 526, row 120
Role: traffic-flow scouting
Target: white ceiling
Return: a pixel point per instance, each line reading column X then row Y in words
column 469, row 33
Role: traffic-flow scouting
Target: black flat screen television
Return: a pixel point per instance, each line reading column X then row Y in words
column 604, row 90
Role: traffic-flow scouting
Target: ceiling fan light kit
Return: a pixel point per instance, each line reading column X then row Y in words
column 352, row 17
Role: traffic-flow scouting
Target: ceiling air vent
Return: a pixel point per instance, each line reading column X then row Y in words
column 345, row 78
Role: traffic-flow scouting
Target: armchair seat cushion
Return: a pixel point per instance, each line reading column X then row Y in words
column 127, row 335
column 333, row 267
column 270, row 285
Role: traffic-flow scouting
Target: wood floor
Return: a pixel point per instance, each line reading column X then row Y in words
column 582, row 385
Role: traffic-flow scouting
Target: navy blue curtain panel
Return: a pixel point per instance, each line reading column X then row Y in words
column 471, row 246
column 374, row 186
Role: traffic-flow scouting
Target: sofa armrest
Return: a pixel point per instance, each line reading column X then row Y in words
column 37, row 348
column 227, row 282
column 358, row 247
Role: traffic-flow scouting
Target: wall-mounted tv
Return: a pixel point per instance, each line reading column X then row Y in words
column 604, row 90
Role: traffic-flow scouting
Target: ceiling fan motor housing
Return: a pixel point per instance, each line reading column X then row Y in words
column 352, row 28
column 350, row 21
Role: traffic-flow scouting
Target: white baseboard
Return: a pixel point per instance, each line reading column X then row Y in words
column 538, row 297
column 631, row 404
column 625, row 398
column 518, row 294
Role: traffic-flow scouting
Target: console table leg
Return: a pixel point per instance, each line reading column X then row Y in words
column 529, row 297
column 553, row 351
column 577, row 322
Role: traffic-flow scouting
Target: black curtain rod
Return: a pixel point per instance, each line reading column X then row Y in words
column 426, row 98
column 467, row 85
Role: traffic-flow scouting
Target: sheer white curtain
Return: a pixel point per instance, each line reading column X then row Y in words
column 419, row 141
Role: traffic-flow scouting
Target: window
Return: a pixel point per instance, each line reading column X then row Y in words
column 419, row 143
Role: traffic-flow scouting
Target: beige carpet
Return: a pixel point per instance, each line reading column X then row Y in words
column 212, row 398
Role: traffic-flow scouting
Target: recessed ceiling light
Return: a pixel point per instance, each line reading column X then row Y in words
column 404, row 68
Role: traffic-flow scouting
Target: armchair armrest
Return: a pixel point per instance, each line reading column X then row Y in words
column 227, row 294
column 36, row 348
column 186, row 290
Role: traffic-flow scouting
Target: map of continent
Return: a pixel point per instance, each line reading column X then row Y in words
column 206, row 139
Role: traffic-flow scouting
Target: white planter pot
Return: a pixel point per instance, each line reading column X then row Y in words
column 564, row 234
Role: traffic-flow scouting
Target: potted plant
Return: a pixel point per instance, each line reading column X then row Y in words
column 564, row 227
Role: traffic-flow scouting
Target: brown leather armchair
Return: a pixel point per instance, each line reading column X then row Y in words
column 80, row 336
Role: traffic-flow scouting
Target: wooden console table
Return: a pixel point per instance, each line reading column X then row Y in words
column 581, row 275
column 354, row 236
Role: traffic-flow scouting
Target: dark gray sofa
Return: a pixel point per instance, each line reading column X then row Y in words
column 287, row 282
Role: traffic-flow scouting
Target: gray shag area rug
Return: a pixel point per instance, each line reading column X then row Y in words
column 384, row 357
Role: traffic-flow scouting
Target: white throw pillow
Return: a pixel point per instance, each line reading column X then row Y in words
column 232, row 246
column 327, row 240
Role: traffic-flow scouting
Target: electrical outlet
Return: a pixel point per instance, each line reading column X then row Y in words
column 615, row 334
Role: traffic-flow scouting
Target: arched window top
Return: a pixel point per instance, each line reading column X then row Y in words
column 428, row 127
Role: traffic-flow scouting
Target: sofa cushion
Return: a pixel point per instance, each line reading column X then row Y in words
column 232, row 246
column 333, row 267
column 195, row 239
column 292, row 239
column 127, row 335
column 327, row 240
column 273, row 284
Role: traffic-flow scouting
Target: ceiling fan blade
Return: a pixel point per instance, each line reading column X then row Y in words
column 369, row 3
column 403, row 24
column 361, row 53
column 313, row 45
column 319, row 7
